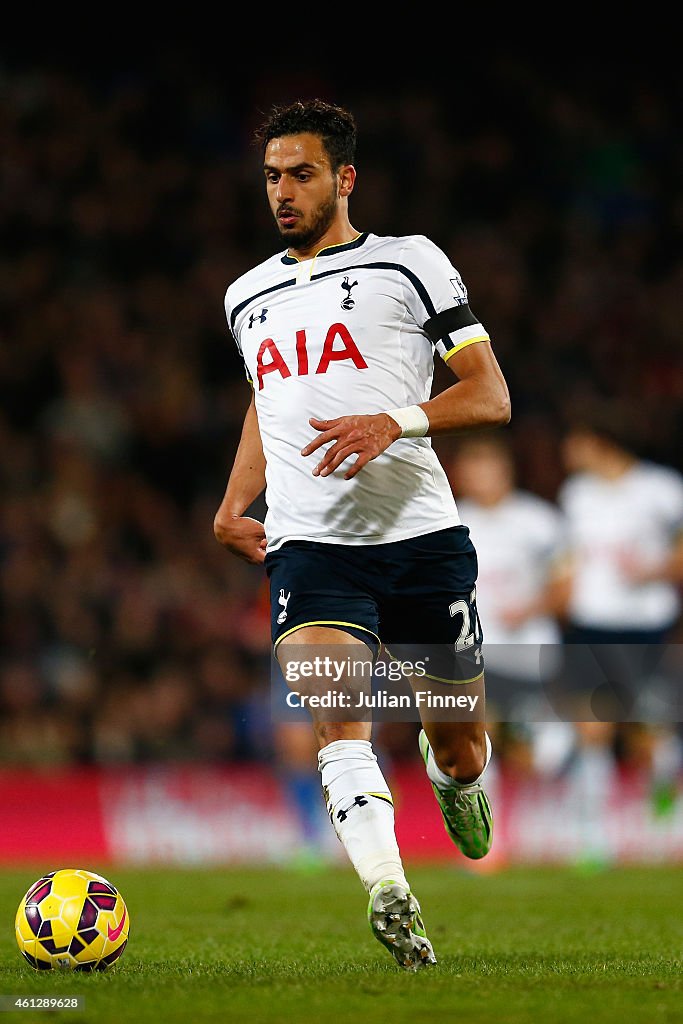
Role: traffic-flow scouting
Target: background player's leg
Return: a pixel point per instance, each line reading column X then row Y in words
column 296, row 752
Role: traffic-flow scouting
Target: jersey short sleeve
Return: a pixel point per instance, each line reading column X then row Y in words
column 227, row 307
column 436, row 297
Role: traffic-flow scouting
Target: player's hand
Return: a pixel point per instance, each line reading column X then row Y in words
column 242, row 535
column 637, row 570
column 364, row 436
column 516, row 616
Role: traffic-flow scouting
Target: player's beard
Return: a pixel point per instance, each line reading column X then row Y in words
column 307, row 235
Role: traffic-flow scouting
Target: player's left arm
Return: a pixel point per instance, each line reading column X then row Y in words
column 667, row 570
column 552, row 599
column 667, row 498
column 479, row 398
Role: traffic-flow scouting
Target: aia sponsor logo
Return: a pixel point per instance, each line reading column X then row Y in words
column 338, row 346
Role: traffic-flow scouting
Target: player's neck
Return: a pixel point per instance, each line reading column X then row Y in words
column 616, row 465
column 494, row 499
column 338, row 233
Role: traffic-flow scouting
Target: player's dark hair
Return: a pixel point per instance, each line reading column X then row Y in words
column 604, row 418
column 335, row 126
column 498, row 443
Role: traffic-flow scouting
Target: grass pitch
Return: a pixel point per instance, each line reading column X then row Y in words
column 252, row 946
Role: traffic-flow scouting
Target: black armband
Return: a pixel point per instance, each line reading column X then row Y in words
column 448, row 321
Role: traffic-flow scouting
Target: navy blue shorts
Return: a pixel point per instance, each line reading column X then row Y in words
column 416, row 598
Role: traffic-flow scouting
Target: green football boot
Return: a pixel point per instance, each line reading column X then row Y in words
column 394, row 916
column 466, row 813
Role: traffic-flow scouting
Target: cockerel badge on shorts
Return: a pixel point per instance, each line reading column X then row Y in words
column 284, row 602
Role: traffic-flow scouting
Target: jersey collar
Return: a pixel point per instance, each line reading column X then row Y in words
column 330, row 250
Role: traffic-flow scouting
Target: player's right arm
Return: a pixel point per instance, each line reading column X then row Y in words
column 241, row 534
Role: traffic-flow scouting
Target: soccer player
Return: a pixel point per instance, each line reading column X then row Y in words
column 624, row 517
column 625, row 533
column 362, row 541
column 523, row 582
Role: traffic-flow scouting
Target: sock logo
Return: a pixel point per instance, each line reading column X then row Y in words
column 360, row 801
column 284, row 602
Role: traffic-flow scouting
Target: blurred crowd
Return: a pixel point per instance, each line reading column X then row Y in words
column 129, row 199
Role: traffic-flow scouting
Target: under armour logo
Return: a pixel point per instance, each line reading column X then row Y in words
column 284, row 602
column 348, row 302
column 360, row 801
column 258, row 318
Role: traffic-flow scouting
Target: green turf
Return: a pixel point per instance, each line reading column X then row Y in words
column 539, row 945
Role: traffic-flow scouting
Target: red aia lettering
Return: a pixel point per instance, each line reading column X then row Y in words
column 330, row 354
column 349, row 351
column 276, row 361
column 301, row 353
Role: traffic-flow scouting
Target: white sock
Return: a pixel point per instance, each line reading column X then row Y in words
column 361, row 809
column 444, row 781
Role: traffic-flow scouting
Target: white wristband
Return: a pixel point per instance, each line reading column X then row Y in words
column 412, row 420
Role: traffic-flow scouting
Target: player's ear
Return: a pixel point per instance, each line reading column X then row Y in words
column 346, row 177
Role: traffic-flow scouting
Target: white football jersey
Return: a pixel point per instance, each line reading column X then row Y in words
column 517, row 542
column 611, row 523
column 352, row 330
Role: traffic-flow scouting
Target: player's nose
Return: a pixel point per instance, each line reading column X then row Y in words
column 284, row 190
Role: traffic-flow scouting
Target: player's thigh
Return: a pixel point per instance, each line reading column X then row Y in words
column 432, row 620
column 320, row 586
column 325, row 637
column 329, row 674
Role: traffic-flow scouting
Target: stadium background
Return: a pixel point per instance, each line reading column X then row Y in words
column 134, row 674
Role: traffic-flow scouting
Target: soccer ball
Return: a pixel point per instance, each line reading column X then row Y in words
column 72, row 919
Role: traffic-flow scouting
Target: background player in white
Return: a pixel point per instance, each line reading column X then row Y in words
column 625, row 532
column 363, row 542
column 624, row 518
column 522, row 595
column 523, row 582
